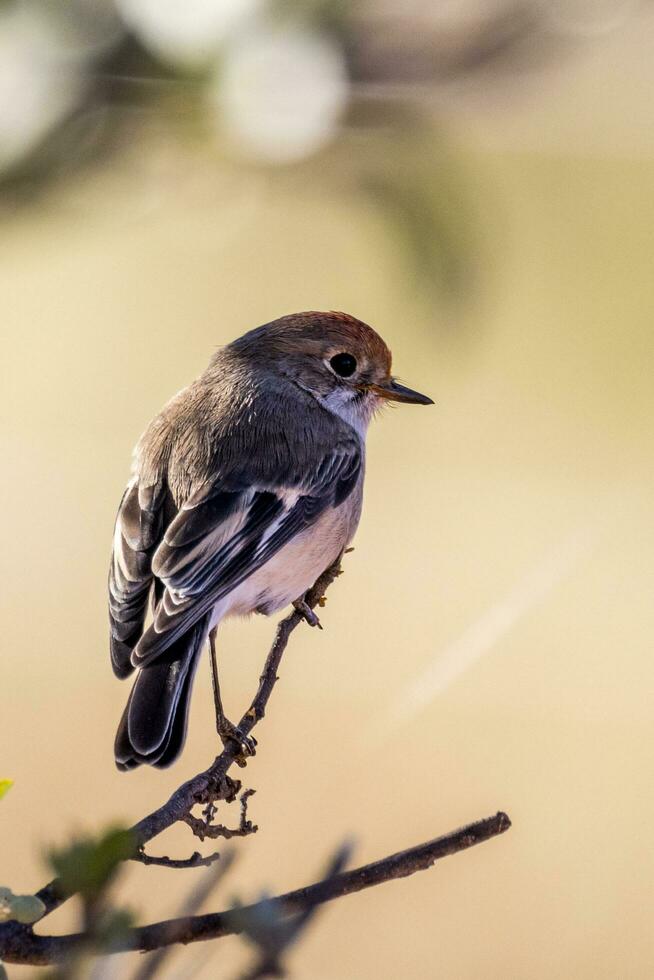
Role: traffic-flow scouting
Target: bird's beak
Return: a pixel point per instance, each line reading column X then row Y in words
column 395, row 392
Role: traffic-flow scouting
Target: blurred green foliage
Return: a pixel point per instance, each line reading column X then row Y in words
column 88, row 865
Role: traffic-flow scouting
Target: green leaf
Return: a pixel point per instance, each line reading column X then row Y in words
column 88, row 864
column 21, row 908
column 5, row 786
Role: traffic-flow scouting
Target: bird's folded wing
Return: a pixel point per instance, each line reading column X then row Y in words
column 138, row 531
column 225, row 532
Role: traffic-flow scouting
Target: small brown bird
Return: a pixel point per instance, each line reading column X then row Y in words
column 245, row 488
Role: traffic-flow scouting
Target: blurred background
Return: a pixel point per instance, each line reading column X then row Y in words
column 475, row 178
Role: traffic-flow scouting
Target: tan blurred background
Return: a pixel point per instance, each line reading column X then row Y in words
column 491, row 643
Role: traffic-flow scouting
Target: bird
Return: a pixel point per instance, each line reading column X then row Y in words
column 244, row 489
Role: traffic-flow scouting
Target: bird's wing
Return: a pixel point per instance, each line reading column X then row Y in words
column 138, row 531
column 230, row 528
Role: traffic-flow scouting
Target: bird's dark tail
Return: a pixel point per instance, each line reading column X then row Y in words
column 152, row 730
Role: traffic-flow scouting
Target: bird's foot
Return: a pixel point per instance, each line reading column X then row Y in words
column 307, row 613
column 247, row 744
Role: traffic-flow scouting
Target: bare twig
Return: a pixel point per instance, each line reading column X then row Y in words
column 43, row 950
column 196, row 860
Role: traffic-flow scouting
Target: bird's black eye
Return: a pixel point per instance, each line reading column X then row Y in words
column 344, row 364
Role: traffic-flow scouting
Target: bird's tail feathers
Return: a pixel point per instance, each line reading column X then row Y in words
column 152, row 730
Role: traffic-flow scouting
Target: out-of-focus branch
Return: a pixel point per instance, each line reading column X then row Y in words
column 152, row 965
column 273, row 932
column 42, row 950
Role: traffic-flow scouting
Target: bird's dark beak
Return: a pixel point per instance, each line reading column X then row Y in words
column 395, row 392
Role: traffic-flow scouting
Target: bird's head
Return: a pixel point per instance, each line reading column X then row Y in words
column 341, row 361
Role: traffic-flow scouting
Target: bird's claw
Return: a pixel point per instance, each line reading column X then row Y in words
column 247, row 744
column 307, row 613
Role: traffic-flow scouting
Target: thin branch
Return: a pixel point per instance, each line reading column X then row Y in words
column 43, row 950
column 196, row 860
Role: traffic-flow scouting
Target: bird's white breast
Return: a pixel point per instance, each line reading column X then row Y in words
column 295, row 568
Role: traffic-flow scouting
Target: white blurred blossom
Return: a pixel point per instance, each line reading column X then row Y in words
column 39, row 80
column 187, row 32
column 281, row 93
